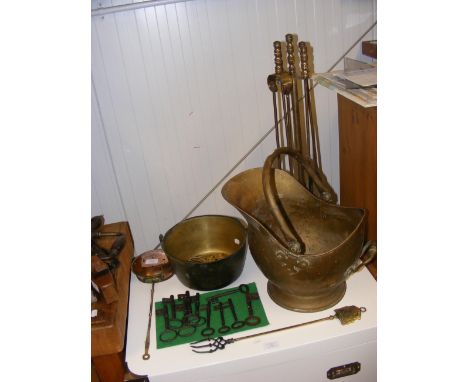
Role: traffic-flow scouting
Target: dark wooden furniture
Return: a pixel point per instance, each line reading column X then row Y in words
column 109, row 328
column 358, row 161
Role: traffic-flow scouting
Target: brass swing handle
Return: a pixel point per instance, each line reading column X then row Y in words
column 368, row 253
column 293, row 242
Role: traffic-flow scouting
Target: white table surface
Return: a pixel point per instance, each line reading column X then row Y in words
column 178, row 359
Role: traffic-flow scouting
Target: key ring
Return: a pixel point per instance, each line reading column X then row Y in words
column 186, row 330
column 252, row 320
column 237, row 324
column 224, row 329
column 200, row 322
column 172, row 322
column 168, row 335
column 207, row 331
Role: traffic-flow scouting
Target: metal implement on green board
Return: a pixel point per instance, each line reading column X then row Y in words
column 346, row 315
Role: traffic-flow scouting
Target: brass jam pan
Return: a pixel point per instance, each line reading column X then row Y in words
column 207, row 252
column 152, row 266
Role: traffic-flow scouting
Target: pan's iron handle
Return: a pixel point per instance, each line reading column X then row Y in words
column 293, row 242
column 161, row 239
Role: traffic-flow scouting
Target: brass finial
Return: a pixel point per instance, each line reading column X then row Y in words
column 278, row 58
column 304, row 59
column 290, row 51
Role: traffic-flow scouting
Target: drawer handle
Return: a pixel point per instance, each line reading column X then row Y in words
column 344, row 370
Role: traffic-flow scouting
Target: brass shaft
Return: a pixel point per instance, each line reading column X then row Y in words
column 289, row 133
column 146, row 355
column 277, row 133
column 285, row 328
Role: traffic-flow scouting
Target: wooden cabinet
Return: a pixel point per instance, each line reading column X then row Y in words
column 108, row 329
column 358, row 161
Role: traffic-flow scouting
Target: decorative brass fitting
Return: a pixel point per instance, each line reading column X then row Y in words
column 280, row 78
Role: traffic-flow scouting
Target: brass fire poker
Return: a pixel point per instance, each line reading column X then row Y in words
column 297, row 130
column 313, row 141
column 274, row 88
column 346, row 315
column 310, row 136
column 280, row 83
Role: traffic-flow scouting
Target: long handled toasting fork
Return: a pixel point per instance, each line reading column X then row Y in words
column 346, row 315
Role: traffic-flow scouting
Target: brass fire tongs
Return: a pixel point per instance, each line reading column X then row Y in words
column 346, row 315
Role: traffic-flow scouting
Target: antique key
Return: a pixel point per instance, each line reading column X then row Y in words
column 236, row 324
column 208, row 330
column 187, row 329
column 174, row 322
column 251, row 319
column 168, row 334
column 200, row 320
column 224, row 328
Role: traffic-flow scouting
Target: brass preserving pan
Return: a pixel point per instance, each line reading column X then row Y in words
column 207, row 252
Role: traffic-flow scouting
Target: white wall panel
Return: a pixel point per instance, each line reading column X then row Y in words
column 180, row 96
column 105, row 194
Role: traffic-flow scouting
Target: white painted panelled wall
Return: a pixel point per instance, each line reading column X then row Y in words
column 179, row 96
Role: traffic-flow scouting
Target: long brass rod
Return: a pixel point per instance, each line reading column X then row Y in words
column 146, row 355
column 289, row 131
column 308, row 127
column 307, row 120
column 285, row 328
column 282, row 127
column 282, row 140
column 310, row 118
column 297, row 129
column 275, row 114
column 315, row 133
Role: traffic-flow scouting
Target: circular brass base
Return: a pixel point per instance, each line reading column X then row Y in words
column 306, row 304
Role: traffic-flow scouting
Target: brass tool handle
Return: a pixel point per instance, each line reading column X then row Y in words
column 278, row 57
column 279, row 69
column 146, row 355
column 304, row 60
column 368, row 253
column 290, row 54
column 294, row 243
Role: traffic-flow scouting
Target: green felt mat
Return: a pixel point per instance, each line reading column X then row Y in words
column 240, row 305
